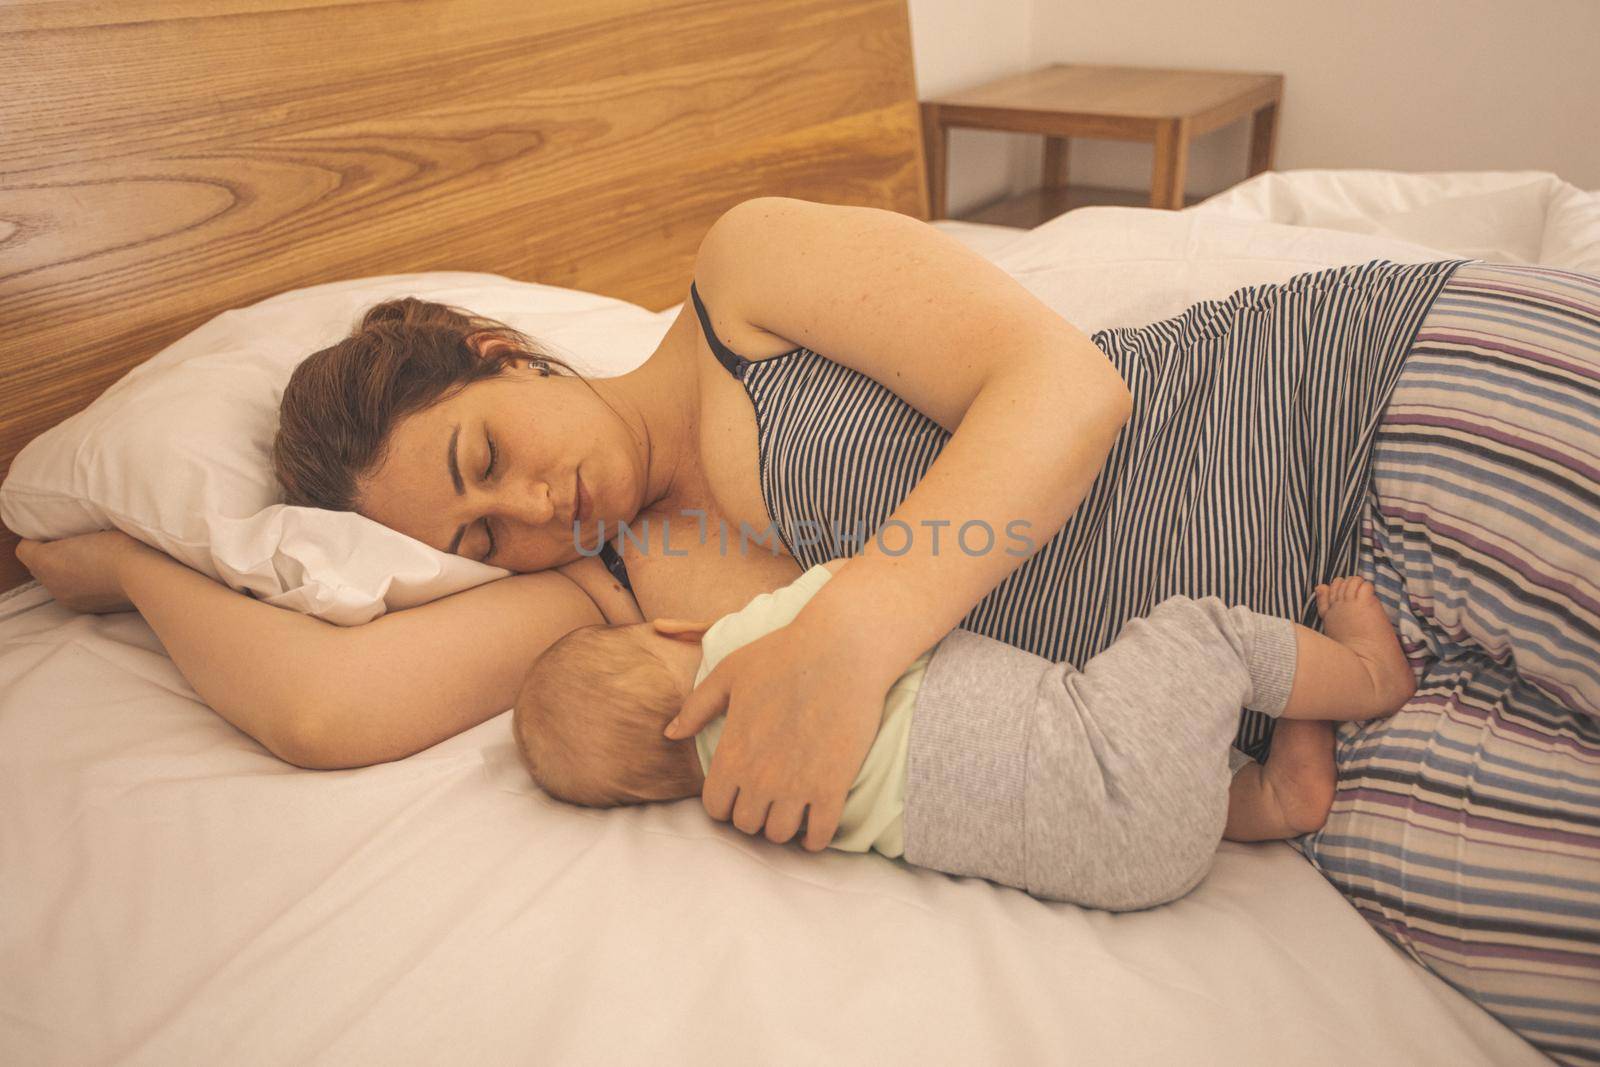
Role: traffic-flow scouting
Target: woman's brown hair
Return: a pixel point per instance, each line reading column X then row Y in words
column 342, row 402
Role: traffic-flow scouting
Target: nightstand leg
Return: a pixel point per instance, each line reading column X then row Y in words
column 1172, row 158
column 934, row 151
column 1055, row 162
column 1263, row 138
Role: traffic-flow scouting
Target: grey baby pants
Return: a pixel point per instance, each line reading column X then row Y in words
column 1106, row 786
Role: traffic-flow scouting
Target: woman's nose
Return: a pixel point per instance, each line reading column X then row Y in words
column 531, row 503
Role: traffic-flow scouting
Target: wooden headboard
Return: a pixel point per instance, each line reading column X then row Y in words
column 163, row 160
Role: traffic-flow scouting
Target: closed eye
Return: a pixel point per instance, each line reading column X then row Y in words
column 488, row 531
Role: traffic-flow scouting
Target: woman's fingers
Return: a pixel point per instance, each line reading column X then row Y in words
column 709, row 699
column 778, row 820
column 718, row 793
column 680, row 628
column 750, row 812
column 800, row 742
column 822, row 822
column 81, row 572
column 783, row 820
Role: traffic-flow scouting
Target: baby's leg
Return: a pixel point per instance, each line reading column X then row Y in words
column 1293, row 793
column 1357, row 669
column 1107, row 786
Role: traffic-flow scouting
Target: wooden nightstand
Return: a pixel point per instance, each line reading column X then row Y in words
column 1163, row 107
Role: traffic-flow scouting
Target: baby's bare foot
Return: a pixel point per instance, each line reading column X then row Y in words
column 1352, row 616
column 1300, row 772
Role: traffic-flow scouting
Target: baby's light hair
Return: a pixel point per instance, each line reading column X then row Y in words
column 588, row 722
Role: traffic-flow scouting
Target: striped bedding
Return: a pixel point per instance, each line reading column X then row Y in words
column 1467, row 827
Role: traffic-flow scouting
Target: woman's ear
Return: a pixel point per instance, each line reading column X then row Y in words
column 488, row 346
column 680, row 629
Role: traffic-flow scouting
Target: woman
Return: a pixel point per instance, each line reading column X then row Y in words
column 1074, row 484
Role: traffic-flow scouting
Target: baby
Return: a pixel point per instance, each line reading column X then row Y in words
column 1126, row 797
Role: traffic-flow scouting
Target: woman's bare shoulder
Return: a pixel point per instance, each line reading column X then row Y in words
column 889, row 296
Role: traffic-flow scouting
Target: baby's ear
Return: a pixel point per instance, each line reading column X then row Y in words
column 680, row 629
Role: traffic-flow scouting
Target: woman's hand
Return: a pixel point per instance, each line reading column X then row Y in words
column 804, row 704
column 84, row 572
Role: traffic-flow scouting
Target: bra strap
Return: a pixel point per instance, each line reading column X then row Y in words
column 613, row 561
column 730, row 359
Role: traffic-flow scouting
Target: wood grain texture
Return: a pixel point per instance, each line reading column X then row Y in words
column 1171, row 165
column 1263, row 139
column 1119, row 93
column 1166, row 108
column 1109, row 103
column 164, row 160
column 1057, row 162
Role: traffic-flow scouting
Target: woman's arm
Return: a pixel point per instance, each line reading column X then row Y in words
column 1034, row 408
column 1033, row 405
column 314, row 694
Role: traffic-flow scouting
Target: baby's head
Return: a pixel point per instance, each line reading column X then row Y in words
column 589, row 718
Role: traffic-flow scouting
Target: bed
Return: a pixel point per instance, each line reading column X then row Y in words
column 172, row 893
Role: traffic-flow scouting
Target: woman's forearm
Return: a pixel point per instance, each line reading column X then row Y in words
column 249, row 661
column 1022, row 459
column 325, row 696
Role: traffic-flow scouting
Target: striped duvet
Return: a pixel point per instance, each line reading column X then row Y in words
column 1467, row 827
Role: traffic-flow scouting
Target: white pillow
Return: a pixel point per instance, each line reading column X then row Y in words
column 1505, row 216
column 178, row 452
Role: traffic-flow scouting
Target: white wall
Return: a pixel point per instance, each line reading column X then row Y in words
column 958, row 44
column 1394, row 84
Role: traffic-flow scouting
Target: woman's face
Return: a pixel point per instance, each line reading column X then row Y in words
column 491, row 473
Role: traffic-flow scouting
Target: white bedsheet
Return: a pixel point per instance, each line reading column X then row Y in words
column 170, row 893
column 175, row 895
